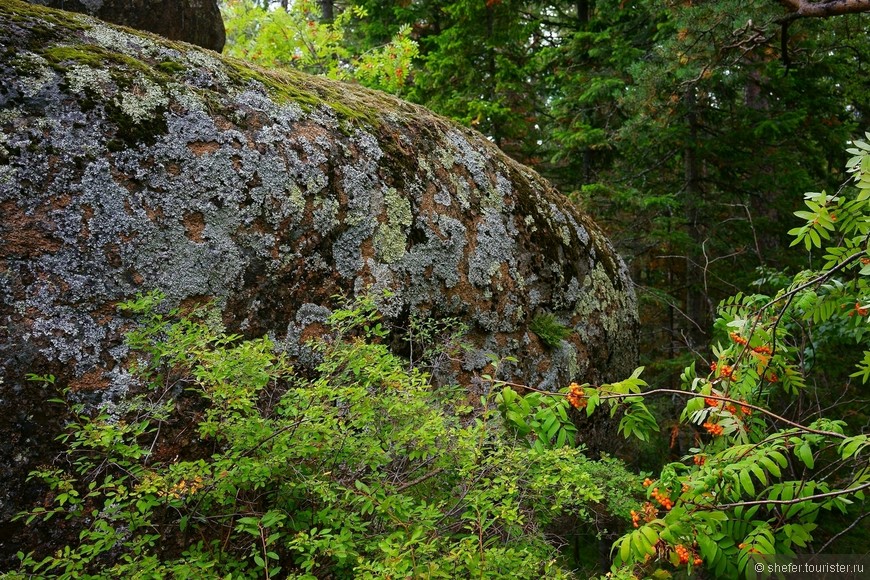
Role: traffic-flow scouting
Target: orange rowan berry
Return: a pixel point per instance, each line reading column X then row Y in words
column 576, row 396
column 663, row 498
column 699, row 459
column 713, row 429
column 763, row 349
column 738, row 339
column 682, row 553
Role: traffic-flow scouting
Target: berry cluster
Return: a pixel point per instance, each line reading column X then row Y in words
column 576, row 396
column 713, row 429
column 860, row 310
column 738, row 339
column 763, row 349
column 647, row 514
column 684, row 554
column 728, row 407
column 725, row 371
column 663, row 498
column 699, row 460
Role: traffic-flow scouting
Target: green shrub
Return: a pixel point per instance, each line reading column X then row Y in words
column 363, row 470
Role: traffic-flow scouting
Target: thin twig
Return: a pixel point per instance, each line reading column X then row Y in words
column 796, row 500
column 817, row 280
column 420, row 479
column 852, row 525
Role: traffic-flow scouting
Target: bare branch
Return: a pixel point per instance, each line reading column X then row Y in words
column 842, row 532
column 420, row 479
column 825, row 9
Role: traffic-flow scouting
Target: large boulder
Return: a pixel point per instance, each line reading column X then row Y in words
column 128, row 164
column 196, row 21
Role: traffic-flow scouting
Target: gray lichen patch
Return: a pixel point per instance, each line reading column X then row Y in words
column 494, row 246
column 82, row 78
column 391, row 236
column 142, row 99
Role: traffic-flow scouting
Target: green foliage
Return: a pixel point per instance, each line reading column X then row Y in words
column 434, row 342
column 549, row 330
column 753, row 490
column 297, row 38
column 537, row 417
column 756, row 483
column 362, row 469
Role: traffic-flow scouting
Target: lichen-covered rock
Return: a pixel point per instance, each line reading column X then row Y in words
column 196, row 21
column 128, row 164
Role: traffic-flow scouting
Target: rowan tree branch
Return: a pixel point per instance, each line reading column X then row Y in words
column 611, row 395
column 769, row 502
column 824, row 9
column 727, row 400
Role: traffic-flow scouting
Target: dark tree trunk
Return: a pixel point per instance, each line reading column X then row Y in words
column 327, row 10
column 696, row 303
column 584, row 9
